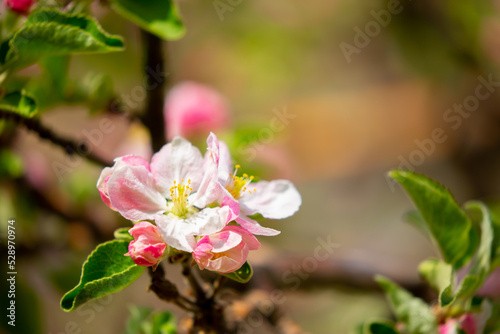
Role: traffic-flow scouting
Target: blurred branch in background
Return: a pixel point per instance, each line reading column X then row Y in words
column 69, row 145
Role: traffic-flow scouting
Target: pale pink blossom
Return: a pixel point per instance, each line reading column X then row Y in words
column 225, row 251
column 194, row 109
column 147, row 248
column 20, row 6
column 275, row 199
column 171, row 191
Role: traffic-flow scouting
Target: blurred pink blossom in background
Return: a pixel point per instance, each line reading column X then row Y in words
column 193, row 109
column 20, row 6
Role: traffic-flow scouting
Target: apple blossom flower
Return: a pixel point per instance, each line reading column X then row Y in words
column 225, row 251
column 192, row 108
column 275, row 199
column 20, row 6
column 148, row 247
column 170, row 191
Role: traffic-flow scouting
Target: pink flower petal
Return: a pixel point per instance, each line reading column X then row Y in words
column 254, row 227
column 132, row 191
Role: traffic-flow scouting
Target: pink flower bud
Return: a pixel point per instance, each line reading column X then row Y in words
column 225, row 251
column 20, row 6
column 194, row 109
column 148, row 246
column 467, row 323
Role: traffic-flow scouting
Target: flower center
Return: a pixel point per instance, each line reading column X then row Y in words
column 179, row 194
column 237, row 185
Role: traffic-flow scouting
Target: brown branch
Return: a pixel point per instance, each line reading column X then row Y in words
column 167, row 291
column 69, row 145
column 156, row 80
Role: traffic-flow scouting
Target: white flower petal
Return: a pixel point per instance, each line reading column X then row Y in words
column 180, row 233
column 176, row 161
column 225, row 163
column 210, row 189
column 274, row 200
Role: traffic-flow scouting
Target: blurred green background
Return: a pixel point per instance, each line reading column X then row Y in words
column 350, row 120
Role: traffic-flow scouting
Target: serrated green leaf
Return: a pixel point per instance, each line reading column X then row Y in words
column 449, row 225
column 19, row 102
column 49, row 32
column 412, row 311
column 241, row 275
column 159, row 17
column 122, row 234
column 380, row 328
column 106, row 271
column 437, row 274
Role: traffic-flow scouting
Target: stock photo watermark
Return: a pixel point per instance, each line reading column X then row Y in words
column 363, row 36
column 454, row 117
column 292, row 278
column 87, row 311
column 123, row 107
column 225, row 6
column 281, row 119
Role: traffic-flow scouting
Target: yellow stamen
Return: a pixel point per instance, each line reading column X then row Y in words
column 237, row 185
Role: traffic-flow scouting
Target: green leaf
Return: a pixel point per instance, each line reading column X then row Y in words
column 241, row 275
column 138, row 315
column 413, row 312
column 493, row 323
column 159, row 17
column 380, row 328
column 122, row 234
column 447, row 222
column 49, row 32
column 164, row 323
column 414, row 218
column 466, row 289
column 495, row 220
column 106, row 271
column 482, row 261
column 437, row 274
column 19, row 102
column 142, row 320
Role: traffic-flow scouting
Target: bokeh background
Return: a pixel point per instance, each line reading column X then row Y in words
column 349, row 120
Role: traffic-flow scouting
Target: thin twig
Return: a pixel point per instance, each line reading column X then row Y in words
column 69, row 145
